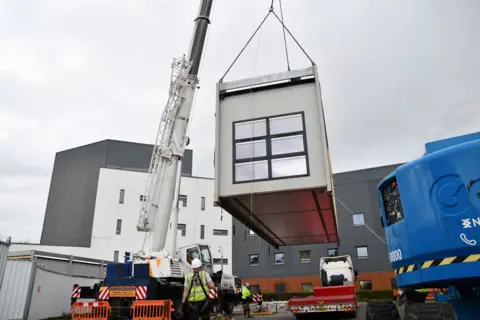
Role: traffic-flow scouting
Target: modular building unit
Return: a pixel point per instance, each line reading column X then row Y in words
column 272, row 165
column 38, row 285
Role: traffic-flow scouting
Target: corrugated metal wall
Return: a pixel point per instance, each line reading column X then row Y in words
column 16, row 288
column 51, row 293
column 4, row 245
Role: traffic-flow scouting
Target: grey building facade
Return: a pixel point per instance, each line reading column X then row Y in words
column 357, row 205
column 73, row 188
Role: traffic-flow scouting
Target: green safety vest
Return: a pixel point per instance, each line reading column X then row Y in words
column 422, row 290
column 196, row 292
column 245, row 293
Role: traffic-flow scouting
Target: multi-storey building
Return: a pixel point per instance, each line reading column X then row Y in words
column 94, row 201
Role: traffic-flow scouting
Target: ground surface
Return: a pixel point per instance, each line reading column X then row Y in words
column 238, row 315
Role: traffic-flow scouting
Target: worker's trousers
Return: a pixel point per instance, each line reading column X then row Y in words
column 198, row 309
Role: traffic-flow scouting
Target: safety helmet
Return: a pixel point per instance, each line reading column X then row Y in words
column 196, row 263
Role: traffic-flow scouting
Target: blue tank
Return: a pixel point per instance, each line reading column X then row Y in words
column 431, row 215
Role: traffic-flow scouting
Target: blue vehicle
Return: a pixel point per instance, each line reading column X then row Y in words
column 430, row 209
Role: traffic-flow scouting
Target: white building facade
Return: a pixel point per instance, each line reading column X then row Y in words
column 117, row 204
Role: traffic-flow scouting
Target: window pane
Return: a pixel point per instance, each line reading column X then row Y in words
column 305, row 256
column 279, row 259
column 183, row 199
column 202, row 232
column 307, row 287
column 121, row 198
column 250, row 129
column 365, row 285
column 119, row 226
column 358, row 219
column 202, row 204
column 251, row 171
column 115, row 256
column 250, row 149
column 287, row 145
column 183, row 228
column 332, row 252
column 254, row 259
column 286, row 124
column 280, row 288
column 289, row 167
column 362, row 252
column 219, row 261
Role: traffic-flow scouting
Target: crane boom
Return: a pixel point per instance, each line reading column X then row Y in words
column 165, row 165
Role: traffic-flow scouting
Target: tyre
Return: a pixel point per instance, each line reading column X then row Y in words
column 381, row 310
column 429, row 311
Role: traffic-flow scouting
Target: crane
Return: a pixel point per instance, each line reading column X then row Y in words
column 430, row 210
column 157, row 274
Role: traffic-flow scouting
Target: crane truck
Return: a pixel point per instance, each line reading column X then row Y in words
column 158, row 274
column 337, row 293
column 430, row 210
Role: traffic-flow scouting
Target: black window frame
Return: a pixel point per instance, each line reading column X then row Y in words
column 183, row 228
column 268, row 139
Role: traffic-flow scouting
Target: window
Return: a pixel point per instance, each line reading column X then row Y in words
column 332, row 252
column 119, row 226
column 307, row 287
column 143, row 198
column 254, row 259
column 358, row 219
column 254, row 288
column 305, row 256
column 183, row 228
column 270, row 148
column 279, row 258
column 218, row 232
column 115, row 256
column 362, row 252
column 202, row 232
column 219, row 261
column 121, row 199
column 183, row 199
column 280, row 288
column 202, row 204
column 365, row 284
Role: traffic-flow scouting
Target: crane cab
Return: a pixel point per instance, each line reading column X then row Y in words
column 430, row 209
column 202, row 252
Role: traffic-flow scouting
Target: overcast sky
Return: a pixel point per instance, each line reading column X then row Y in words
column 394, row 74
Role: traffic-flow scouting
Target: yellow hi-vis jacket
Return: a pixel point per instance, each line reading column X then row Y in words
column 196, row 292
column 246, row 293
column 422, row 290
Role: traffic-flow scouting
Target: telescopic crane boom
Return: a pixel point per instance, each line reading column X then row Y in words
column 165, row 166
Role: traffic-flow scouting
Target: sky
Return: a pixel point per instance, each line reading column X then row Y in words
column 394, row 75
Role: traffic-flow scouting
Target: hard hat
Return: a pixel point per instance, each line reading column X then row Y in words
column 196, row 263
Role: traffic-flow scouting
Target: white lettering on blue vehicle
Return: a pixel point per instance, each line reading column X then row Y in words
column 395, row 255
column 471, row 223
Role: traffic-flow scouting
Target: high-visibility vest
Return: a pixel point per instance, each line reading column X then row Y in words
column 422, row 290
column 196, row 292
column 245, row 293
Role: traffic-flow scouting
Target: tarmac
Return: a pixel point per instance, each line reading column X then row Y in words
column 285, row 315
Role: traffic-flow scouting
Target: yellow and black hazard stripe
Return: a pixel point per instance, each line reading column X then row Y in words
column 438, row 262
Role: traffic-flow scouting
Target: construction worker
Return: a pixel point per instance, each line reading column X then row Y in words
column 197, row 285
column 246, row 298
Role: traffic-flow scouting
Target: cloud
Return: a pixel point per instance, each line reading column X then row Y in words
column 394, row 75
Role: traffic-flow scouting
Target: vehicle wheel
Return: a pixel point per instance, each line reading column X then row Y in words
column 430, row 311
column 381, row 310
